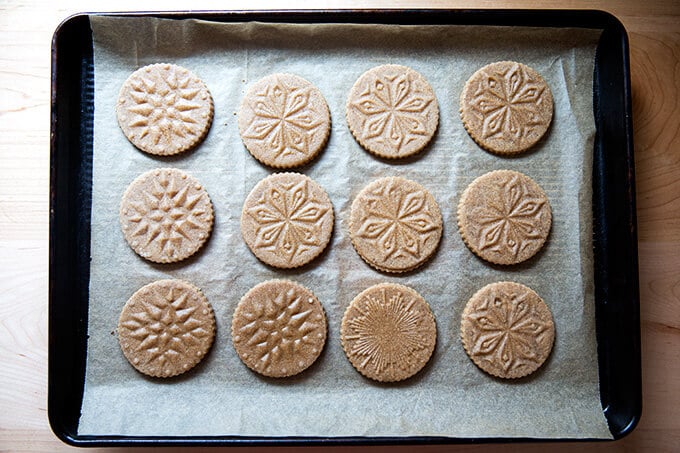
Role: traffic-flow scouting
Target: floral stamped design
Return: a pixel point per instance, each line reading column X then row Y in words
column 506, row 107
column 164, row 109
column 392, row 111
column 279, row 328
column 166, row 215
column 166, row 328
column 395, row 224
column 388, row 332
column 504, row 217
column 507, row 330
column 287, row 220
column 284, row 120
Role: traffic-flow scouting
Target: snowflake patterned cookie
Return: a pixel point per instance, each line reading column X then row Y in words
column 166, row 215
column 287, row 220
column 395, row 224
column 504, row 217
column 164, row 109
column 392, row 111
column 388, row 332
column 284, row 121
column 506, row 107
column 279, row 328
column 507, row 330
column 166, row 328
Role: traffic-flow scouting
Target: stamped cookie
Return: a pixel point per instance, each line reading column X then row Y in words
column 388, row 332
column 504, row 217
column 166, row 328
column 392, row 111
column 395, row 224
column 506, row 107
column 507, row 330
column 284, row 120
column 279, row 328
column 166, row 215
column 287, row 220
column 164, row 109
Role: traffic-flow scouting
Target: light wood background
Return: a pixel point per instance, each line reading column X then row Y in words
column 26, row 29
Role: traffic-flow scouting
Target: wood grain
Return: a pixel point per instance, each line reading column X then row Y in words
column 26, row 28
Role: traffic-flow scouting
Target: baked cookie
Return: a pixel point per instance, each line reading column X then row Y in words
column 506, row 107
column 284, row 120
column 166, row 215
column 507, row 330
column 392, row 111
column 395, row 224
column 504, row 217
column 388, row 332
column 164, row 109
column 166, row 328
column 287, row 220
column 279, row 328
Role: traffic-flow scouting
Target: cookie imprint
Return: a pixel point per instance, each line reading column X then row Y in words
column 279, row 328
column 506, row 107
column 166, row 215
column 164, row 109
column 287, row 220
column 392, row 111
column 166, row 328
column 507, row 330
column 504, row 217
column 395, row 224
column 284, row 120
column 388, row 332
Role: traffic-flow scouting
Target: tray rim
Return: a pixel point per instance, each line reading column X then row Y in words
column 507, row 17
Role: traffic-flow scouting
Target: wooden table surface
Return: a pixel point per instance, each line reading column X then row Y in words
column 26, row 29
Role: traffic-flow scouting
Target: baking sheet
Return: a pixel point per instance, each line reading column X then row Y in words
column 450, row 397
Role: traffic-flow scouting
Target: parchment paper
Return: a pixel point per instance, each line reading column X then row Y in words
column 450, row 397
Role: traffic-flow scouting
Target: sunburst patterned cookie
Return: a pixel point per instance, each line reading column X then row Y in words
column 164, row 109
column 279, row 328
column 166, row 215
column 507, row 330
column 504, row 217
column 287, row 220
column 388, row 332
column 166, row 328
column 284, row 120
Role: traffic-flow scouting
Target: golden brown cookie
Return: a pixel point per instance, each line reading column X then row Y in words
column 392, row 111
column 504, row 217
column 284, row 120
column 166, row 215
column 164, row 109
column 279, row 328
column 388, row 332
column 166, row 328
column 395, row 224
column 287, row 220
column 506, row 107
column 507, row 330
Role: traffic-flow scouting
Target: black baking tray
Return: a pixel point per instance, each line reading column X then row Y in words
column 614, row 229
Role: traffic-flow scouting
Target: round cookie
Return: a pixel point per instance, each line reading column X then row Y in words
column 504, row 217
column 279, row 328
column 166, row 215
column 164, row 109
column 166, row 328
column 506, row 107
column 507, row 330
column 284, row 121
column 392, row 111
column 388, row 332
column 287, row 220
column 395, row 224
